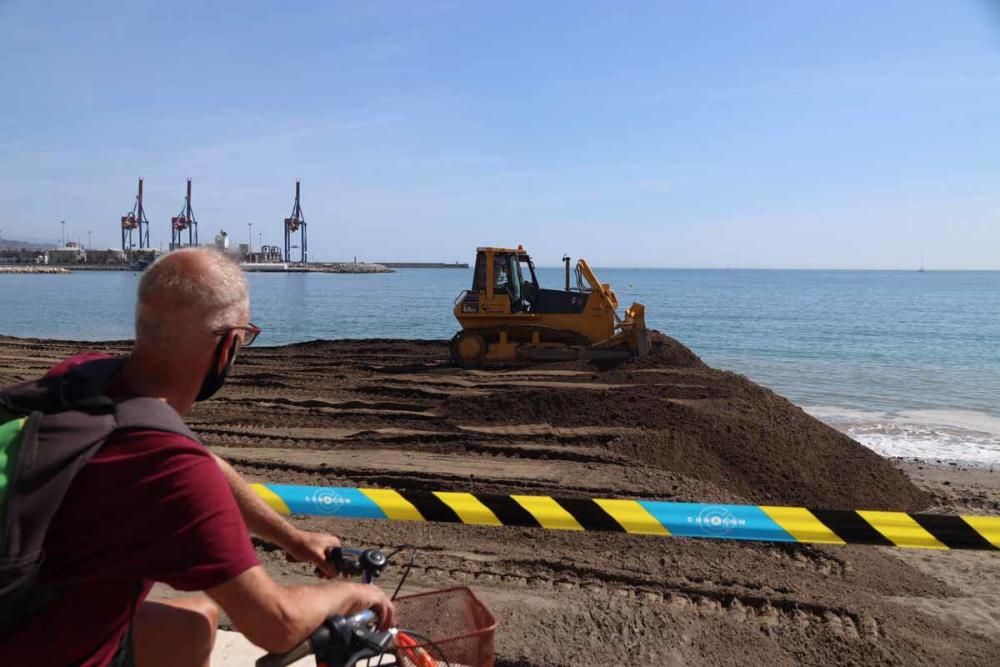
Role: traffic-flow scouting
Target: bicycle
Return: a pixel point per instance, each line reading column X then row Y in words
column 461, row 623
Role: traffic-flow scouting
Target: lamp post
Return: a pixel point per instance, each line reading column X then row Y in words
column 88, row 240
column 250, row 227
column 63, row 223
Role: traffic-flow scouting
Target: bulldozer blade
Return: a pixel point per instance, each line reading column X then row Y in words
column 635, row 318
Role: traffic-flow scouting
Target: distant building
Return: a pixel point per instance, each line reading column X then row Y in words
column 71, row 253
column 143, row 257
column 222, row 241
column 269, row 254
column 23, row 256
column 108, row 256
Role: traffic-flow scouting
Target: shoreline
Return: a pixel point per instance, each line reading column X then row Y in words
column 908, row 462
column 318, row 267
column 26, row 270
column 954, row 488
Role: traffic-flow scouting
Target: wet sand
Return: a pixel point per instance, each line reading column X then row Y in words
column 396, row 414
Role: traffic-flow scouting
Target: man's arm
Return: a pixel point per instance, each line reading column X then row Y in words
column 268, row 525
column 278, row 618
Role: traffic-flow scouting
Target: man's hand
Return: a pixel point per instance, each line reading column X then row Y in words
column 313, row 548
column 277, row 617
column 367, row 596
column 264, row 522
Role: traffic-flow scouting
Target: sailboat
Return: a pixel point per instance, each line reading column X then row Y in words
column 921, row 270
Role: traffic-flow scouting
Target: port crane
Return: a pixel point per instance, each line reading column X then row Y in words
column 135, row 221
column 184, row 220
column 293, row 224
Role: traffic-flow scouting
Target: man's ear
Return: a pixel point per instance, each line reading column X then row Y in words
column 227, row 351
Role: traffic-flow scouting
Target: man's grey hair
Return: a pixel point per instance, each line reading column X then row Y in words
column 190, row 289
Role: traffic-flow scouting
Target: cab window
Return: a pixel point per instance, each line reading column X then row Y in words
column 500, row 273
column 479, row 276
column 513, row 270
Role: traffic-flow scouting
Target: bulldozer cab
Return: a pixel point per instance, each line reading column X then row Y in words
column 506, row 274
column 506, row 280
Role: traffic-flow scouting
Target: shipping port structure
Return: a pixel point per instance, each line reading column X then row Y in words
column 185, row 220
column 135, row 221
column 296, row 223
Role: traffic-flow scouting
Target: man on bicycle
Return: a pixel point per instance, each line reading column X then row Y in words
column 155, row 506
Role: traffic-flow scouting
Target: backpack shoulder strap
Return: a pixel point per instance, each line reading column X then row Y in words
column 86, row 391
column 41, row 395
column 81, row 389
column 144, row 413
column 85, row 385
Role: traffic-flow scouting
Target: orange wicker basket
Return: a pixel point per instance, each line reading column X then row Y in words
column 455, row 620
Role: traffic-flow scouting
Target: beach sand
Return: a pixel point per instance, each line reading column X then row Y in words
column 972, row 604
column 395, row 414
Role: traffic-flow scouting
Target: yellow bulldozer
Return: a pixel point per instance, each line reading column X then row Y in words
column 508, row 318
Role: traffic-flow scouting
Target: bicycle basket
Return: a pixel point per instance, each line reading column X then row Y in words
column 456, row 620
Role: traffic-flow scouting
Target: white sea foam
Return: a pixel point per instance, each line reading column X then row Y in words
column 964, row 419
column 935, row 435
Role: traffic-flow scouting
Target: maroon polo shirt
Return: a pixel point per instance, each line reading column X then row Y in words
column 148, row 507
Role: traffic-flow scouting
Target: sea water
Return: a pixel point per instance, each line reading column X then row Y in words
column 906, row 362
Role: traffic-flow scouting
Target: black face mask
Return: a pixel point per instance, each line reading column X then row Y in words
column 214, row 379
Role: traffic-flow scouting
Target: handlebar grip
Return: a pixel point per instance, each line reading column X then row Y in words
column 282, row 659
column 336, row 629
column 362, row 618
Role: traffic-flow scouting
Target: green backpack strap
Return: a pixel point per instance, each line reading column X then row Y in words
column 10, row 439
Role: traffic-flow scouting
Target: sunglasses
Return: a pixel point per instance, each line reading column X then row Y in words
column 251, row 332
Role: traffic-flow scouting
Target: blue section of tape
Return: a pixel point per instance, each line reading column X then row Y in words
column 722, row 522
column 327, row 501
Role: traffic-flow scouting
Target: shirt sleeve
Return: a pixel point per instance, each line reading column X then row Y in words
column 194, row 536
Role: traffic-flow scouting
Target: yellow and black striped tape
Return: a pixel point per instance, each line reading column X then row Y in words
column 643, row 517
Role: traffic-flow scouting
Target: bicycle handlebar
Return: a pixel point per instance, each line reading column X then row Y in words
column 347, row 630
column 283, row 659
column 369, row 563
column 354, row 634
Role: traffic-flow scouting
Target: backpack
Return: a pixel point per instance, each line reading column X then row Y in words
column 49, row 429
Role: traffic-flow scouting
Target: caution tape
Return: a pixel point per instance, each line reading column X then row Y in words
column 764, row 523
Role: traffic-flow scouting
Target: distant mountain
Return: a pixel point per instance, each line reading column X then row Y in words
column 12, row 244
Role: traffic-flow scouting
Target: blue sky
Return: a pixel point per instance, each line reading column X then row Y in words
column 682, row 134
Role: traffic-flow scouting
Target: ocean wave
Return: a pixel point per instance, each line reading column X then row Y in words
column 961, row 436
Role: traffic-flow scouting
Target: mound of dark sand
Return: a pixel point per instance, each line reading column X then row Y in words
column 711, row 425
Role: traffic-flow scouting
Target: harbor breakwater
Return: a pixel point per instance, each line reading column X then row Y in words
column 33, row 269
